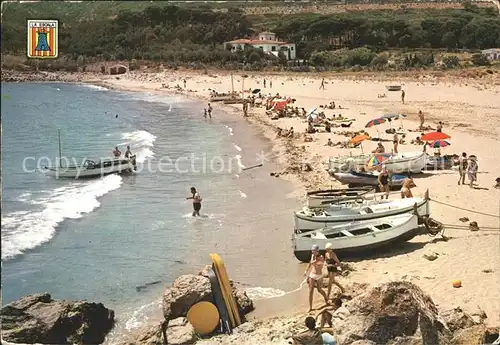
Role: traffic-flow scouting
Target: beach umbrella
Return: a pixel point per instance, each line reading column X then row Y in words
column 433, row 136
column 394, row 117
column 311, row 111
column 440, row 143
column 375, row 122
column 376, row 160
column 359, row 139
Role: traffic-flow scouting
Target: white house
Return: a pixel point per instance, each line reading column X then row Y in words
column 267, row 42
column 492, row 54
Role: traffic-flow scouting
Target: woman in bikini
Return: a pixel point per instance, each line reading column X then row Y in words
column 395, row 142
column 332, row 262
column 408, row 184
column 315, row 275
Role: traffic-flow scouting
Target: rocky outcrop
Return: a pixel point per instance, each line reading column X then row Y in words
column 190, row 289
column 456, row 319
column 40, row 319
column 396, row 309
column 186, row 291
column 179, row 332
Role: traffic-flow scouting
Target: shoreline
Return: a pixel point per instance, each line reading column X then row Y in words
column 467, row 128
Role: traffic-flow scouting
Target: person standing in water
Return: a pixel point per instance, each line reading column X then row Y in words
column 209, row 111
column 117, row 153
column 205, row 113
column 314, row 273
column 196, row 202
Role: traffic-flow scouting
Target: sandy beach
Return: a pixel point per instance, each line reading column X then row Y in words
column 468, row 109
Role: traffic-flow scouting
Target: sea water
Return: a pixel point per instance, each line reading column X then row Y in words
column 108, row 239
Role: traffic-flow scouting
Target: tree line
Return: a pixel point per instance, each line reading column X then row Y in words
column 179, row 35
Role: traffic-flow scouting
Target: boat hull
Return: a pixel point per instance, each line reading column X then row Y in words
column 340, row 164
column 404, row 163
column 368, row 243
column 91, row 172
column 324, row 198
column 305, row 223
column 365, row 179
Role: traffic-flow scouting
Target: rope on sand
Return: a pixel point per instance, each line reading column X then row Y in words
column 465, row 209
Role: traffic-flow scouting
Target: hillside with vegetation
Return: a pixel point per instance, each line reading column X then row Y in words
column 194, row 35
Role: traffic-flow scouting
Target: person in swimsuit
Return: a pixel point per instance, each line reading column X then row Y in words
column 462, row 168
column 209, row 111
column 196, row 202
column 384, row 182
column 128, row 153
column 332, row 262
column 395, row 142
column 439, row 127
column 472, row 169
column 314, row 273
column 422, row 119
column 408, row 184
column 117, row 153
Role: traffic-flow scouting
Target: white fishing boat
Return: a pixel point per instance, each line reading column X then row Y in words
column 358, row 209
column 413, row 162
column 93, row 169
column 89, row 168
column 323, row 198
column 357, row 237
column 347, row 163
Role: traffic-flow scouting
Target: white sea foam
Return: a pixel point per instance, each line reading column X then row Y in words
column 95, row 87
column 229, row 129
column 243, row 195
column 25, row 230
column 140, row 316
column 264, row 293
column 237, row 147
column 141, row 143
column 24, row 197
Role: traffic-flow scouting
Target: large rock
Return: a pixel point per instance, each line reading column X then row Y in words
column 186, row 291
column 396, row 309
column 40, row 319
column 180, row 332
column 474, row 335
column 406, row 341
column 245, row 304
column 189, row 289
column 456, row 319
column 117, row 69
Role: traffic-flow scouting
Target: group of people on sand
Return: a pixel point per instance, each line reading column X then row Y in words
column 467, row 166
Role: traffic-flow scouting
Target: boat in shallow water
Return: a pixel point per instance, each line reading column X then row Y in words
column 358, row 209
column 323, row 198
column 357, row 237
column 91, row 169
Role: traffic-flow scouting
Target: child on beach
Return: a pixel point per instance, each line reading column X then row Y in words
column 314, row 274
column 205, row 113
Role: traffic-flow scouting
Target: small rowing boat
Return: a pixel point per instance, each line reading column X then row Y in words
column 358, row 209
column 354, row 178
column 393, row 87
column 357, row 237
column 323, row 198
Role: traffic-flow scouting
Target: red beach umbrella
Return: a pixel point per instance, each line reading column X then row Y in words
column 433, row 136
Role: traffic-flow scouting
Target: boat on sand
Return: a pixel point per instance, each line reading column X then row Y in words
column 357, row 237
column 354, row 178
column 358, row 209
column 413, row 162
column 322, row 198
